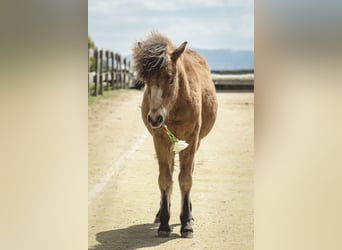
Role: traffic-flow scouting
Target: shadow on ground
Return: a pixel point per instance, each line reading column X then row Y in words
column 133, row 237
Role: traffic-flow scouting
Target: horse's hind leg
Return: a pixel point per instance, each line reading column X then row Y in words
column 156, row 219
column 165, row 159
column 185, row 183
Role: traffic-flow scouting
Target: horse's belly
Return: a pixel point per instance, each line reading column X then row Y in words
column 209, row 111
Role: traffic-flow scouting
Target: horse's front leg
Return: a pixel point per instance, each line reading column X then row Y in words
column 156, row 219
column 186, row 158
column 165, row 157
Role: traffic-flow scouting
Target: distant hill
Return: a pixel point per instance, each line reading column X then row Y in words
column 227, row 59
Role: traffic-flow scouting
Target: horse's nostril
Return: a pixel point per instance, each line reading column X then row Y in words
column 149, row 119
column 159, row 119
column 155, row 122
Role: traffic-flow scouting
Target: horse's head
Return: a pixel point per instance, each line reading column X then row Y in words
column 155, row 62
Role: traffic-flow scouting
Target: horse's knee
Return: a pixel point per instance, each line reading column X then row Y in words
column 165, row 182
column 185, row 181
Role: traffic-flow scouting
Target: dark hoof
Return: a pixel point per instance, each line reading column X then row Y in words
column 187, row 234
column 164, row 231
column 163, row 234
column 187, row 231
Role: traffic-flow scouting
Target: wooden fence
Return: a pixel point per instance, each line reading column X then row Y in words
column 111, row 71
column 233, row 79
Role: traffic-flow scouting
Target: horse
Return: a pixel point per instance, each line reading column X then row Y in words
column 180, row 94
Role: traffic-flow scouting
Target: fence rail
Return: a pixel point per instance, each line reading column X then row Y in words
column 233, row 79
column 110, row 71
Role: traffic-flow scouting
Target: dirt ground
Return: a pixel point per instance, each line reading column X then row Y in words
column 123, row 188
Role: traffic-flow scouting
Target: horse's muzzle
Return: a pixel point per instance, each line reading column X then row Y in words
column 156, row 120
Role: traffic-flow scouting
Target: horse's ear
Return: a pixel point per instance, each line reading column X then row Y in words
column 177, row 52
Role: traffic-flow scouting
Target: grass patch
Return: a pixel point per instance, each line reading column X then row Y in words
column 107, row 94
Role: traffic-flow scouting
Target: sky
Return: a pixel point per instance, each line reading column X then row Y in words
column 206, row 24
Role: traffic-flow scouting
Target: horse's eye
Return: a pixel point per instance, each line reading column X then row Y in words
column 171, row 80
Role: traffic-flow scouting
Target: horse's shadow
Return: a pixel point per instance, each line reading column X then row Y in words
column 133, row 237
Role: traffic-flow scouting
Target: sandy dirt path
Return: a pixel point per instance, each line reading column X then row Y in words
column 123, row 188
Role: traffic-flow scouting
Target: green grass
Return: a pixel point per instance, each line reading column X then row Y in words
column 107, row 94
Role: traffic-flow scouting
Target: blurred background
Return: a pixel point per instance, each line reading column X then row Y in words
column 222, row 31
column 207, row 25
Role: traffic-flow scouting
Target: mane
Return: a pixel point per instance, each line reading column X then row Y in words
column 151, row 55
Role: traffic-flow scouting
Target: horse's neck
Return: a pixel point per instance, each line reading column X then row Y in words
column 183, row 89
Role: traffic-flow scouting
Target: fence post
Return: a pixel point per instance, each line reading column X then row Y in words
column 107, row 72
column 96, row 56
column 129, row 74
column 88, row 71
column 120, row 71
column 101, row 71
column 112, row 70
column 123, row 72
column 116, row 70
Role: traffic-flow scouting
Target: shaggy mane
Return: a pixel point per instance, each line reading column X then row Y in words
column 151, row 55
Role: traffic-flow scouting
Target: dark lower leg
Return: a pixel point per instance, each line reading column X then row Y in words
column 168, row 190
column 186, row 217
column 186, row 159
column 156, row 219
column 165, row 157
column 164, row 214
column 165, row 185
column 185, row 181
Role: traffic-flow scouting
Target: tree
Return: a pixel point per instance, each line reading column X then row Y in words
column 91, row 45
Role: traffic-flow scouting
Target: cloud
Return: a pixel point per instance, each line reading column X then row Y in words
column 204, row 23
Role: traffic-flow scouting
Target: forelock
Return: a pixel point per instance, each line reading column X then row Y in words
column 151, row 55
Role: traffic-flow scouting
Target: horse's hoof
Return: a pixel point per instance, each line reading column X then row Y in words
column 164, row 231
column 163, row 234
column 187, row 231
column 187, row 234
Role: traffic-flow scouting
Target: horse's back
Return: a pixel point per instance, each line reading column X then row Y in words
column 200, row 79
column 196, row 58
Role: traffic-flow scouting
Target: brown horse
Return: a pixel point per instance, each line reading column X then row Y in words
column 179, row 93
